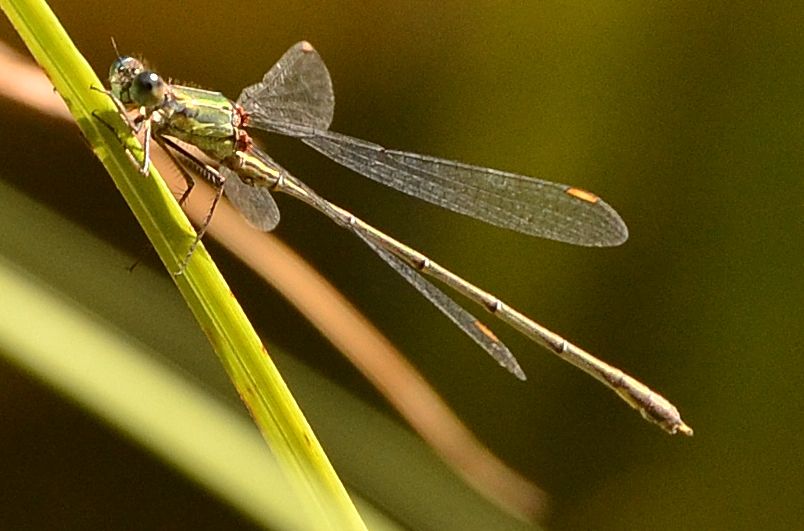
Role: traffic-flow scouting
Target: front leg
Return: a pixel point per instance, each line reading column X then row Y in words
column 135, row 125
column 146, row 146
column 169, row 146
column 182, row 157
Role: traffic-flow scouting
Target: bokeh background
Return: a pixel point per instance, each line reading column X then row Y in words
column 686, row 117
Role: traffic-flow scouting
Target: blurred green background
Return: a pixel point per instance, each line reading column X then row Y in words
column 686, row 117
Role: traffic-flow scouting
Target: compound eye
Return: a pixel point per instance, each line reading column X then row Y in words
column 121, row 74
column 125, row 66
column 147, row 89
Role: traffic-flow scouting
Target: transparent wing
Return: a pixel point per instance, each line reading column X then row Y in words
column 524, row 204
column 295, row 98
column 457, row 314
column 462, row 318
column 255, row 204
column 296, row 90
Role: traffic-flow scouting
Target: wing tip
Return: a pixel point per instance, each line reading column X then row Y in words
column 611, row 231
column 305, row 46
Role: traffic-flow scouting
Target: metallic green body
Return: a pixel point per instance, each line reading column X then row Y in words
column 208, row 120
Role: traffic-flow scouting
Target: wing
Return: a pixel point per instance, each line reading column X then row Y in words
column 295, row 98
column 457, row 314
column 297, row 90
column 464, row 320
column 256, row 204
column 524, row 204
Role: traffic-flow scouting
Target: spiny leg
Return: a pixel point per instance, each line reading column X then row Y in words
column 146, row 146
column 170, row 149
column 134, row 125
column 121, row 109
column 201, row 231
column 207, row 172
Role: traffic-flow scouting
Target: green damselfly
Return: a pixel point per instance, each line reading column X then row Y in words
column 295, row 98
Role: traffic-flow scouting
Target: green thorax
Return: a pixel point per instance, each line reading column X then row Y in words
column 205, row 119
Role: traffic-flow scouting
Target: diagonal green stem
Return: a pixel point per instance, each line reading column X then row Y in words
column 251, row 370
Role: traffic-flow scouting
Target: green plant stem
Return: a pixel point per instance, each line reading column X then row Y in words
column 240, row 350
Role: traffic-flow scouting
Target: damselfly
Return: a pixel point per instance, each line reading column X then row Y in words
column 295, row 98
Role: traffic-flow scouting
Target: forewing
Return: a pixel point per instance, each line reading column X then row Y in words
column 296, row 91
